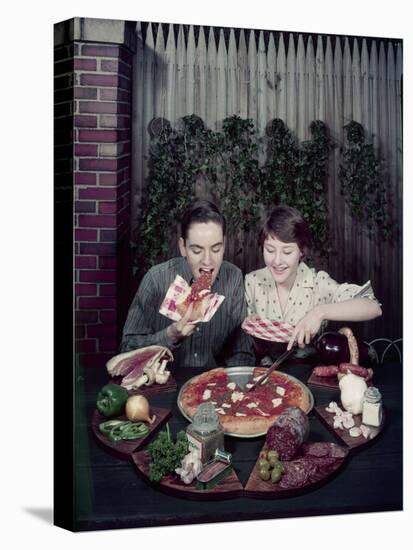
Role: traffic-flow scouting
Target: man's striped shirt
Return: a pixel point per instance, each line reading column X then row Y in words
column 217, row 342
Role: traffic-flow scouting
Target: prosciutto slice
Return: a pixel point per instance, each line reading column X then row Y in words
column 132, row 364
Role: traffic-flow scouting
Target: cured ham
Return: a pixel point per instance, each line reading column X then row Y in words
column 139, row 367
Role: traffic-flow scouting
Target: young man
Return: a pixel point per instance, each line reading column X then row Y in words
column 217, row 342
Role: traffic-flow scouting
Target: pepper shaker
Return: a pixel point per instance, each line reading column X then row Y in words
column 205, row 433
column 372, row 407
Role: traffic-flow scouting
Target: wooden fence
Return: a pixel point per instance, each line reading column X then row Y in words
column 215, row 73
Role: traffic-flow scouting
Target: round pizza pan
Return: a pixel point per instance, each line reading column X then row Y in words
column 241, row 375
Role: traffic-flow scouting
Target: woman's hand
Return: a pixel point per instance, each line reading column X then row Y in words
column 306, row 328
column 182, row 328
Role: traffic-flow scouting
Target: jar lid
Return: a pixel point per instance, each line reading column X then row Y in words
column 205, row 419
column 372, row 395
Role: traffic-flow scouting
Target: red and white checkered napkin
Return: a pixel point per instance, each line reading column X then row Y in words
column 266, row 329
column 178, row 291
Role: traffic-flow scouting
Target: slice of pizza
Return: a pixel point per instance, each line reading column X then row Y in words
column 200, row 289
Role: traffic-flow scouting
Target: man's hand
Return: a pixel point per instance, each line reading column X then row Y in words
column 182, row 328
column 306, row 328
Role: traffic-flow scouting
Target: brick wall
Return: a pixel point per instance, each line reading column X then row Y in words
column 95, row 81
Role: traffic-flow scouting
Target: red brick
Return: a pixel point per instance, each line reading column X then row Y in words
column 88, row 235
column 108, row 344
column 108, row 316
column 96, row 248
column 85, row 290
column 109, row 66
column 108, row 235
column 85, row 178
column 85, row 346
column 114, row 94
column 114, row 121
column 85, row 64
column 96, row 221
column 97, row 276
column 88, row 316
column 86, row 121
column 100, row 51
column 100, row 136
column 107, row 208
column 88, row 207
column 107, row 290
column 109, row 80
column 108, row 179
column 104, row 165
column 85, row 262
column 101, row 330
column 86, row 149
column 107, row 262
column 85, row 93
column 98, row 193
column 106, row 302
column 98, row 107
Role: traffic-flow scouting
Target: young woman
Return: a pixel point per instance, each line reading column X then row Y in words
column 287, row 290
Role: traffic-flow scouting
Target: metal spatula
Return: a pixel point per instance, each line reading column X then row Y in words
column 274, row 366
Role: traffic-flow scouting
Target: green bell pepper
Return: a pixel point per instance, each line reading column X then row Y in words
column 111, row 399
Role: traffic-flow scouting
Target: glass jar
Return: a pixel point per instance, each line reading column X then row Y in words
column 205, row 433
column 372, row 407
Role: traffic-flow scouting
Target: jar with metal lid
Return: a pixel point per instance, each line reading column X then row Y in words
column 205, row 434
column 372, row 407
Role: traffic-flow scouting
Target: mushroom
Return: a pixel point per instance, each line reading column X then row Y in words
column 161, row 374
column 147, row 378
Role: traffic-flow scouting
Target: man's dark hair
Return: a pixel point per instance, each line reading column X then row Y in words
column 201, row 211
column 287, row 224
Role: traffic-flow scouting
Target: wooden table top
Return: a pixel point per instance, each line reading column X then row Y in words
column 110, row 493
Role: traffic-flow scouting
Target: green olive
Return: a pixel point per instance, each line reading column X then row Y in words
column 272, row 455
column 265, row 474
column 263, row 454
column 273, row 461
column 263, row 463
column 276, row 475
column 278, row 466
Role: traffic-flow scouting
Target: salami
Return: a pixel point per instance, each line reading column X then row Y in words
column 288, row 433
column 325, row 371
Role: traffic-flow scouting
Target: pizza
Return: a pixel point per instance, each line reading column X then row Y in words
column 240, row 411
column 200, row 288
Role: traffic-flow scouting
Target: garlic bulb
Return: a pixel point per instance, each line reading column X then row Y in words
column 352, row 393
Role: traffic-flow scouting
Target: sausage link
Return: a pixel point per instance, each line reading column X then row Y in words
column 354, row 369
column 330, row 370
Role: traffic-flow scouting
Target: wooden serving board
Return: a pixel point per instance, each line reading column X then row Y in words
column 124, row 449
column 258, row 488
column 229, row 487
column 344, row 435
column 326, row 382
column 147, row 391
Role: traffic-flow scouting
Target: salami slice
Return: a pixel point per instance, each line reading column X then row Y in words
column 317, row 449
column 288, row 433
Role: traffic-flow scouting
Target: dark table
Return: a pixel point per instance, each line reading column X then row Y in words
column 110, row 493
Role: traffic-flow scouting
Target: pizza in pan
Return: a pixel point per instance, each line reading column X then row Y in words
column 240, row 411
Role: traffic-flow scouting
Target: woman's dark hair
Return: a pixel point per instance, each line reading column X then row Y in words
column 286, row 224
column 201, row 211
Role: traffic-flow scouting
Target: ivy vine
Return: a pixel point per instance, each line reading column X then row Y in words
column 227, row 166
column 281, row 167
column 362, row 183
column 311, row 190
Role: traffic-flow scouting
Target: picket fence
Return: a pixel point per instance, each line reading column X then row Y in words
column 215, row 73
